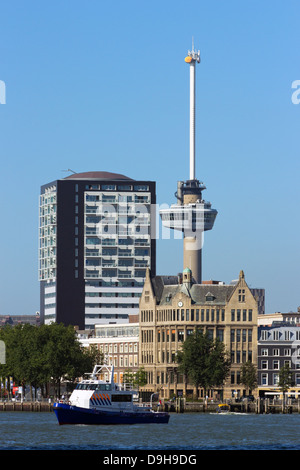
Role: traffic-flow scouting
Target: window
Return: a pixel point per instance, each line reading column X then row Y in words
column 264, row 335
column 220, row 334
column 121, row 398
column 232, row 335
column 180, row 335
column 241, row 295
column 275, row 379
column 264, row 379
column 264, row 364
column 287, row 335
column 276, row 335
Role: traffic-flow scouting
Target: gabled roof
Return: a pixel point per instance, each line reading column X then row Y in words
column 166, row 287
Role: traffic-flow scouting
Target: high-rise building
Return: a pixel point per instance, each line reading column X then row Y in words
column 96, row 239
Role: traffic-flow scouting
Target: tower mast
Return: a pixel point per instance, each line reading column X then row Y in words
column 192, row 58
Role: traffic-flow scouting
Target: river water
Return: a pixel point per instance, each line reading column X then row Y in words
column 184, row 432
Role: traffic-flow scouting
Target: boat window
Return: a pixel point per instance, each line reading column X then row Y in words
column 121, row 397
column 103, row 387
column 82, row 387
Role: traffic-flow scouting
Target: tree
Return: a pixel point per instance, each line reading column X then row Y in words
column 204, row 361
column 64, row 356
column 38, row 355
column 249, row 375
column 285, row 379
column 138, row 378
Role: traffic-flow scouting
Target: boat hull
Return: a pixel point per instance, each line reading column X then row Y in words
column 68, row 414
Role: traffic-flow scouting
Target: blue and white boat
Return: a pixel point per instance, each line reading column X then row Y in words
column 99, row 400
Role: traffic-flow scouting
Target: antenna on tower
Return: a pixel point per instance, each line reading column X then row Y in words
column 72, row 171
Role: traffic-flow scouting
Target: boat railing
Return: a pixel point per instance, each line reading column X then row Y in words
column 127, row 387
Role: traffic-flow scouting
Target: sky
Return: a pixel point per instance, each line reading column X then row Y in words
column 103, row 86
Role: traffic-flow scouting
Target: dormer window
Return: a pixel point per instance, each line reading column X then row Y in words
column 209, row 297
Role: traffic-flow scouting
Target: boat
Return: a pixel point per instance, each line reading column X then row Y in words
column 223, row 408
column 99, row 400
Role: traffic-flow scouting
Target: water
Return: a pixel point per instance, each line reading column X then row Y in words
column 189, row 431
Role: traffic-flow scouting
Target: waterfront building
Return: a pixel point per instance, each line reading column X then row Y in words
column 278, row 345
column 95, row 242
column 172, row 307
column 119, row 344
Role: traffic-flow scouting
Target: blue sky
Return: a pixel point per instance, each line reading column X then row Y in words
column 103, row 86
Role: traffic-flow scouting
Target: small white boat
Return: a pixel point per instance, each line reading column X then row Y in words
column 101, row 401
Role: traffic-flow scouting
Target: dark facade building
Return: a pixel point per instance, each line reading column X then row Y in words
column 278, row 345
column 96, row 239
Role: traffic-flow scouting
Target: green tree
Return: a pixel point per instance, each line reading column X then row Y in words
column 249, row 375
column 38, row 355
column 138, row 378
column 285, row 379
column 141, row 377
column 204, row 361
column 65, row 358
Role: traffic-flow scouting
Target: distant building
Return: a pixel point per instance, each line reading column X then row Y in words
column 268, row 318
column 171, row 308
column 19, row 319
column 95, row 244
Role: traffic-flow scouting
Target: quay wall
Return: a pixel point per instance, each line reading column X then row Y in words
column 25, row 406
column 259, row 406
column 179, row 406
